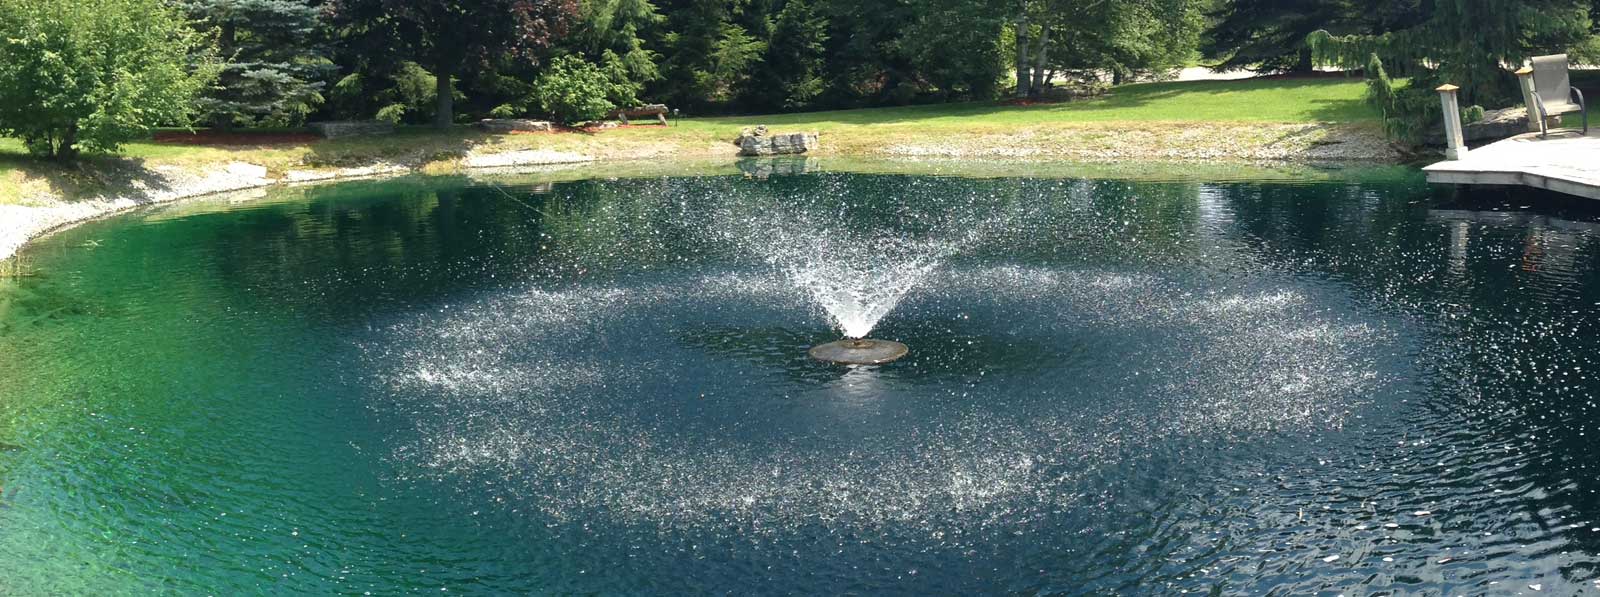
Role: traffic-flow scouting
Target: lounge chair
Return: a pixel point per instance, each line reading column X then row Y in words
column 1553, row 92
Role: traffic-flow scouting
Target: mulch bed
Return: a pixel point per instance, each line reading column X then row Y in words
column 219, row 138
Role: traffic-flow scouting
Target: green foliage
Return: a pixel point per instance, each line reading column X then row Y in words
column 1467, row 43
column 96, row 74
column 1471, row 114
column 791, row 72
column 1128, row 39
column 404, row 95
column 272, row 74
column 573, row 90
column 618, row 26
column 449, row 37
column 954, row 45
column 1408, row 112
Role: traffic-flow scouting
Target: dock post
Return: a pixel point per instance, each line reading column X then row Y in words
column 1455, row 146
column 1525, row 83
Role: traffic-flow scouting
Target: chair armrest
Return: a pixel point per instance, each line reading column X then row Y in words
column 1578, row 93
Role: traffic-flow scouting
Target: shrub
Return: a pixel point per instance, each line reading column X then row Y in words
column 1473, row 113
column 96, row 73
column 575, row 90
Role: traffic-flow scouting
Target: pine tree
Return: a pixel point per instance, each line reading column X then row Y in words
column 273, row 71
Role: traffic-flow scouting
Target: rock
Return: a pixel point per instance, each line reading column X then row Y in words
column 758, row 142
column 763, row 168
column 351, row 128
column 1496, row 124
column 512, row 125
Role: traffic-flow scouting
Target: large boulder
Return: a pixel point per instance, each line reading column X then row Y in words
column 351, row 128
column 513, row 125
column 759, row 142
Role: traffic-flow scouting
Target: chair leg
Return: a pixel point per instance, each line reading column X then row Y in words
column 1583, row 107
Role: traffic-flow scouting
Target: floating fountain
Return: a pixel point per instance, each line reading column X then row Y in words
column 855, row 275
column 859, row 351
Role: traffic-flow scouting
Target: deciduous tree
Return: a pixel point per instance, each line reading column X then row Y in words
column 96, row 73
column 454, row 37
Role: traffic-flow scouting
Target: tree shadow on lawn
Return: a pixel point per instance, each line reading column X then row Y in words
column 92, row 176
column 1139, row 101
column 411, row 147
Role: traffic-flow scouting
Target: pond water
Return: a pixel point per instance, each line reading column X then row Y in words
column 601, row 386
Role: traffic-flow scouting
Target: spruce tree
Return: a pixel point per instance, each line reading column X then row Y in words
column 273, row 70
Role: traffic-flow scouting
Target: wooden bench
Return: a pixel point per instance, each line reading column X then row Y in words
column 657, row 110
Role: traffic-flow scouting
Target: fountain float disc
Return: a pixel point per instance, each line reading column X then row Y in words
column 859, row 351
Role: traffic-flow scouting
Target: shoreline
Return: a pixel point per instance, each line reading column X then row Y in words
column 1213, row 145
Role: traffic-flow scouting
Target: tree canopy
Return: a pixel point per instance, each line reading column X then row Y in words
column 96, row 74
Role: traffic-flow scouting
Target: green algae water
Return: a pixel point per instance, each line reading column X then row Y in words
column 601, row 386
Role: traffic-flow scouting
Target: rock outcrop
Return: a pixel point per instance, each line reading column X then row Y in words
column 351, row 128
column 759, row 142
column 512, row 125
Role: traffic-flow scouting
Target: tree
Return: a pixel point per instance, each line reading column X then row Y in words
column 1468, row 43
column 271, row 72
column 454, row 37
column 953, row 47
column 709, row 55
column 619, row 26
column 790, row 73
column 573, row 90
column 96, row 73
column 1120, row 37
column 1270, row 35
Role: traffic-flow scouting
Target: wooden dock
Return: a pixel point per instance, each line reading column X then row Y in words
column 1566, row 162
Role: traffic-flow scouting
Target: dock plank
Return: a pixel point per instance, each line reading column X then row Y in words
column 1566, row 162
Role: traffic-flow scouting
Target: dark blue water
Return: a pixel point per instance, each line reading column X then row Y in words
column 601, row 387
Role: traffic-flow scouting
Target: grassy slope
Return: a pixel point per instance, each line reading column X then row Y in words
column 845, row 131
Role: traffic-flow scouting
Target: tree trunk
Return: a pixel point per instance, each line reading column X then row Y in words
column 1039, row 62
column 227, row 41
column 67, row 149
column 1302, row 62
column 1022, row 53
column 444, row 115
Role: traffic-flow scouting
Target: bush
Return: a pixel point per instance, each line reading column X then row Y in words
column 1473, row 113
column 575, row 90
column 96, row 74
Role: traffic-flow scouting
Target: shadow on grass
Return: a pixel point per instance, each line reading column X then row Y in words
column 411, row 146
column 89, row 177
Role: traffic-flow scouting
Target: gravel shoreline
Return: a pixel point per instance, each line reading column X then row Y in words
column 1287, row 143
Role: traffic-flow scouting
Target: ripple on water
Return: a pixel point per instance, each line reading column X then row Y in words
column 519, row 386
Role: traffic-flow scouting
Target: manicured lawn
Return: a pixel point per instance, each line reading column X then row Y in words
column 1255, row 100
column 1270, row 100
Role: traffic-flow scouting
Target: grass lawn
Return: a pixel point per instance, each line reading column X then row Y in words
column 1146, row 105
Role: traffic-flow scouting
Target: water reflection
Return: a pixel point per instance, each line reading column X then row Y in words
column 1132, row 388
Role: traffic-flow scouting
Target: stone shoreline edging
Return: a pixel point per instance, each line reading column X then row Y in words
column 1285, row 143
column 20, row 224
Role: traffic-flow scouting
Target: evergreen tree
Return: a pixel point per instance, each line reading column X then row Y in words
column 620, row 27
column 272, row 72
column 1468, row 43
column 790, row 73
column 709, row 55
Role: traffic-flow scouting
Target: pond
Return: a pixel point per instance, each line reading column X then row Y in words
column 1350, row 384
